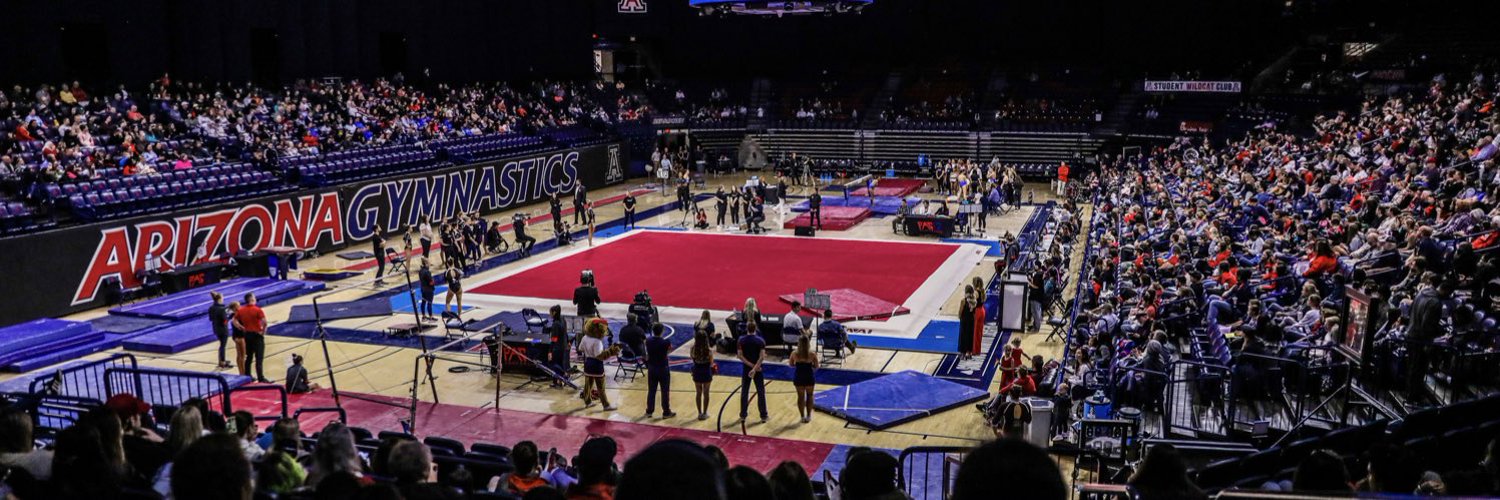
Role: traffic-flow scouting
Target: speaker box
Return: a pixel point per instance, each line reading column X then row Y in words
column 112, row 290
column 804, row 231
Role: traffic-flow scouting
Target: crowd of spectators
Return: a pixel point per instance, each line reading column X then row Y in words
column 67, row 133
column 1239, row 254
column 951, row 109
column 119, row 451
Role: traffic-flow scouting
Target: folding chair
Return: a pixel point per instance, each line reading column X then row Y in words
column 1059, row 328
column 534, row 320
column 454, row 326
column 628, row 365
column 831, row 350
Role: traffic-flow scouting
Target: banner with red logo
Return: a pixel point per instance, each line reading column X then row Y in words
column 64, row 270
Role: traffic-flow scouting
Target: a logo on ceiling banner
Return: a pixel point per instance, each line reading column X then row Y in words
column 632, row 6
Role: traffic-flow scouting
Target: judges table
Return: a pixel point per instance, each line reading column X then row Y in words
column 768, row 327
column 185, row 278
column 928, row 225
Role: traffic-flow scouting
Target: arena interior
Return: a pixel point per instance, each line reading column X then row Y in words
column 890, row 249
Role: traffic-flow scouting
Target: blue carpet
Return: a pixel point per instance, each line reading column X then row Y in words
column 125, row 324
column 995, row 248
column 938, row 336
column 977, row 371
column 401, row 301
column 329, row 311
column 895, row 399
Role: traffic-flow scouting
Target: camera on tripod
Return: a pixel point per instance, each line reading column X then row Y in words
column 586, row 277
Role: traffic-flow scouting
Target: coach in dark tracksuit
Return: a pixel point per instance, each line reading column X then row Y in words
column 580, row 199
column 721, row 204
column 657, row 374
column 379, row 249
column 815, row 209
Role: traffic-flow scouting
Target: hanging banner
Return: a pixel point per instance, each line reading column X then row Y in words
column 1191, row 86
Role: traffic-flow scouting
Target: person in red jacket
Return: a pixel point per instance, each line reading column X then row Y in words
column 1323, row 262
column 1062, row 179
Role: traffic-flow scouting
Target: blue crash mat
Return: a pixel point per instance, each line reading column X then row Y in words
column 895, row 399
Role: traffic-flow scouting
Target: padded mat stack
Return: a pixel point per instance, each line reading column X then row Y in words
column 26, row 344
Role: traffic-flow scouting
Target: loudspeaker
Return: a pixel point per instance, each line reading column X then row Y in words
column 113, row 292
column 804, row 231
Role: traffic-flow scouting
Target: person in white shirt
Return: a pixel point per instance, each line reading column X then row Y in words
column 242, row 425
column 793, row 319
column 425, row 229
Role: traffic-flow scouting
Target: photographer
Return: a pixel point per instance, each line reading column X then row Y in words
column 523, row 242
column 645, row 313
column 586, row 296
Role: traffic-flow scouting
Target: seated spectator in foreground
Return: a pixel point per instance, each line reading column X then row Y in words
column 870, row 475
column 978, row 476
column 596, row 470
column 336, row 454
column 212, row 468
column 672, row 469
column 144, row 449
column 744, row 483
column 789, row 481
column 17, row 448
column 528, row 471
column 187, row 427
column 410, row 464
column 1164, row 476
column 242, row 426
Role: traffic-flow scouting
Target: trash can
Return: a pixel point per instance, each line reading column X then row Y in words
column 1040, row 431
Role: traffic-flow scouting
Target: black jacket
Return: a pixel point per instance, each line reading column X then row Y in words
column 587, row 300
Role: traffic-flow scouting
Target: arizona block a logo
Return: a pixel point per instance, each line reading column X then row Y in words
column 632, row 6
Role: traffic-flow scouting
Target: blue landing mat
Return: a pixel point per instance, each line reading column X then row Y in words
column 32, row 362
column 977, row 371
column 125, row 324
column 172, row 339
column 356, row 255
column 190, row 303
column 895, row 399
column 995, row 248
column 884, row 205
column 613, row 231
column 38, row 333
column 401, row 301
column 938, row 336
column 329, row 311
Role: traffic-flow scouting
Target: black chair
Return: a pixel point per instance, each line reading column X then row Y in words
column 360, row 433
column 492, row 449
column 439, row 442
column 384, row 435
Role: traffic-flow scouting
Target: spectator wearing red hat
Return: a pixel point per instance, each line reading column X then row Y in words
column 144, row 448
